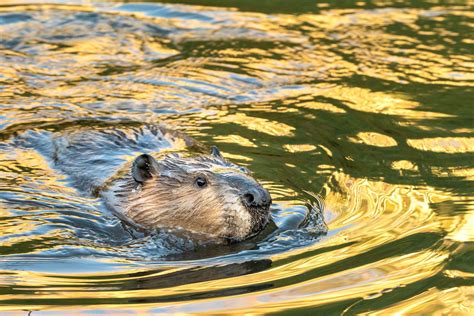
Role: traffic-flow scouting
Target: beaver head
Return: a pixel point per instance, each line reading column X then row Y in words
column 205, row 194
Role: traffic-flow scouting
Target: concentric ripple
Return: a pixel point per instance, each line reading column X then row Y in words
column 365, row 104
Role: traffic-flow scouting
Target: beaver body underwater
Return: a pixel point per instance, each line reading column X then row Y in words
column 145, row 185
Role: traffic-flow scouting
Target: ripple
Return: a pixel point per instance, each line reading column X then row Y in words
column 364, row 105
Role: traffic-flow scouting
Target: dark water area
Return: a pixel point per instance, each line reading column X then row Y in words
column 368, row 105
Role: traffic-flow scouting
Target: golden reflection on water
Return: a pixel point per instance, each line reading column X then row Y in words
column 321, row 106
column 293, row 148
column 280, row 72
column 453, row 301
column 444, row 144
column 404, row 165
column 370, row 278
column 259, row 124
column 377, row 212
column 467, row 173
column 379, row 102
column 374, row 139
column 239, row 158
column 235, row 139
column 460, row 228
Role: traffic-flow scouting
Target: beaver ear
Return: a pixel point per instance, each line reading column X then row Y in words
column 144, row 168
column 216, row 152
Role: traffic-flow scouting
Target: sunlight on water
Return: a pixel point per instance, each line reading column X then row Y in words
column 366, row 105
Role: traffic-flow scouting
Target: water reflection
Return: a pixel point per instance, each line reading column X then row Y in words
column 365, row 103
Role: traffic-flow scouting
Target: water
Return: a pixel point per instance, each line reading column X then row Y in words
column 368, row 104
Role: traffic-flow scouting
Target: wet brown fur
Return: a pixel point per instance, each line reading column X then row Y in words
column 171, row 198
column 97, row 162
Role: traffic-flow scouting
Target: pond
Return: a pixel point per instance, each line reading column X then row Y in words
column 365, row 105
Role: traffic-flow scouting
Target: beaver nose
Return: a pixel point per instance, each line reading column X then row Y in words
column 257, row 197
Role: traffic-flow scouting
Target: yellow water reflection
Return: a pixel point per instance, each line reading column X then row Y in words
column 378, row 213
column 321, row 106
column 235, row 139
column 362, row 100
column 460, row 228
column 444, row 144
column 404, row 165
column 453, row 301
column 293, row 148
column 374, row 139
column 259, row 124
column 467, row 173
column 370, row 279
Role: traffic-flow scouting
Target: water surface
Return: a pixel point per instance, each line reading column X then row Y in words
column 368, row 104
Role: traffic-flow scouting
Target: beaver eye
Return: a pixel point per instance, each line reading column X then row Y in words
column 201, row 182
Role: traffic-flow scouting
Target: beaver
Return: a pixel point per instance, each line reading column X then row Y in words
column 156, row 189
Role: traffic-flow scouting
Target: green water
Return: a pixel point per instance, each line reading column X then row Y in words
column 367, row 104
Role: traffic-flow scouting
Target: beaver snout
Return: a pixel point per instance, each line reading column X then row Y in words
column 257, row 197
column 251, row 193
